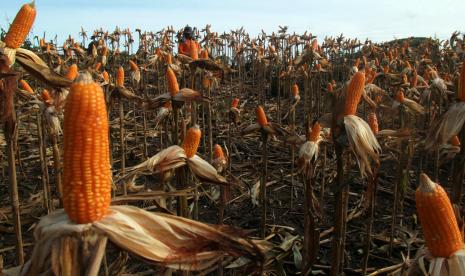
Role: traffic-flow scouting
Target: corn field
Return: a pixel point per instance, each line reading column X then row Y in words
column 193, row 152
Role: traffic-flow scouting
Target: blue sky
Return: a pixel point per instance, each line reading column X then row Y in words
column 376, row 19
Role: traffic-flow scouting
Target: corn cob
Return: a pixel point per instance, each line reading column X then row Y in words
column 173, row 86
column 105, row 76
column 295, row 90
column 206, row 82
column 330, row 87
column 461, row 91
column 167, row 104
column 414, row 79
column 354, row 93
column 455, row 141
column 98, row 66
column 194, row 51
column 86, row 158
column 437, row 218
column 191, row 141
column 373, row 122
column 400, row 96
column 46, row 97
column 120, row 77
column 204, row 54
column 407, row 64
column 235, row 102
column 25, row 86
column 261, row 117
column 169, row 59
column 104, row 51
column 315, row 45
column 218, row 152
column 21, row 26
column 315, row 133
column 72, row 72
column 386, row 69
column 133, row 66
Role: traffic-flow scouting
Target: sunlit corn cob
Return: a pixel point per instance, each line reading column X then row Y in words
column 437, row 218
column 21, row 26
column 105, row 76
column 72, row 72
column 86, row 158
column 261, row 116
column 194, row 51
column 354, row 93
column 120, row 77
column 173, row 86
column 191, row 141
column 25, row 86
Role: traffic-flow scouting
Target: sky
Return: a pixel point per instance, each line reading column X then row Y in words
column 379, row 20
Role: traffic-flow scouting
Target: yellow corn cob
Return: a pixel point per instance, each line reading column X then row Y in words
column 86, row 157
column 354, row 93
column 120, row 77
column 437, row 218
column 261, row 116
column 21, row 26
column 191, row 141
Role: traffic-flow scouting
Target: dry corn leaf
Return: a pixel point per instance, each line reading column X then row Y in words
column 445, row 128
column 168, row 240
column 204, row 171
column 167, row 159
column 43, row 73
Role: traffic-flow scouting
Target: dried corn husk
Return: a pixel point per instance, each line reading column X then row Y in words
column 445, row 128
column 363, row 142
column 171, row 241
